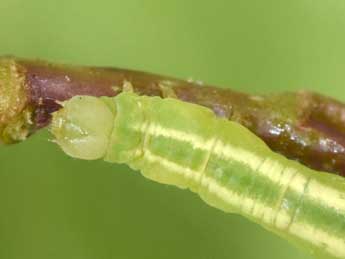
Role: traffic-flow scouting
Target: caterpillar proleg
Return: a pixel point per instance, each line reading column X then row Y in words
column 185, row 145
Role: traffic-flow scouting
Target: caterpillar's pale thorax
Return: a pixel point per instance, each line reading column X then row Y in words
column 82, row 128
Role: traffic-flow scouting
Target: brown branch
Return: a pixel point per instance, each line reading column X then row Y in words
column 304, row 126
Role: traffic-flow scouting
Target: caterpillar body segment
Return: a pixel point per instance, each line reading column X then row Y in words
column 185, row 145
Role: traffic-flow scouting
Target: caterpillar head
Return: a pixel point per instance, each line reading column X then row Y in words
column 83, row 126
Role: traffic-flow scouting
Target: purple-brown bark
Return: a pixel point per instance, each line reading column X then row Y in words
column 304, row 126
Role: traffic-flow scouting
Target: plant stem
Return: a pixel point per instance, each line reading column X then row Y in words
column 304, row 126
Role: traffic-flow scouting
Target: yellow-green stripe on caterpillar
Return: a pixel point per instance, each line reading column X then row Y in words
column 185, row 145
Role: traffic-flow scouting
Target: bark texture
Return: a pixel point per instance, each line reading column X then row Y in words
column 304, row 126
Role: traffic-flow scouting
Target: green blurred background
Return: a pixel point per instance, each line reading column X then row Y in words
column 53, row 207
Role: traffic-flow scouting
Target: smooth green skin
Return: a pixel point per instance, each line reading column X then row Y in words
column 185, row 145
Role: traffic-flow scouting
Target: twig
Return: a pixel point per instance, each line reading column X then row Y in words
column 304, row 126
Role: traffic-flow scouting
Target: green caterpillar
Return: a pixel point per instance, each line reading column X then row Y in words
column 185, row 145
